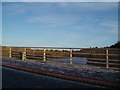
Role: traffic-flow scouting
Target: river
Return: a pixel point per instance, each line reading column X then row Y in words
column 76, row 60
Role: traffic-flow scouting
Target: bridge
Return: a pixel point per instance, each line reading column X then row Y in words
column 105, row 58
column 102, row 57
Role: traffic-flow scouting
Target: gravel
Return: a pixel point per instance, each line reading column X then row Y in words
column 78, row 70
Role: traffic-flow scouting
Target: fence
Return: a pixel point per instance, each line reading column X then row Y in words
column 103, row 57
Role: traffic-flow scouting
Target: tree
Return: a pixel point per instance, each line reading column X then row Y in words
column 116, row 45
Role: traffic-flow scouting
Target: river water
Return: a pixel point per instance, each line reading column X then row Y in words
column 75, row 60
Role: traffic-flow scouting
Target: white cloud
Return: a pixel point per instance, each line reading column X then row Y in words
column 88, row 6
column 112, row 27
column 52, row 21
column 14, row 9
column 21, row 8
column 110, row 24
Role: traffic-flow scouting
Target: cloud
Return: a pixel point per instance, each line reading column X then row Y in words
column 88, row 6
column 25, row 7
column 111, row 26
column 12, row 9
column 67, row 8
column 63, row 23
column 21, row 8
column 53, row 21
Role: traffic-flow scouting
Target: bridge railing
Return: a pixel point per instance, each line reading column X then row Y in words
column 103, row 57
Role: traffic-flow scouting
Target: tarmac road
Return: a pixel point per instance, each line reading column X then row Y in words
column 12, row 78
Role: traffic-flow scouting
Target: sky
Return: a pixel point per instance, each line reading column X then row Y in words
column 0, row 23
column 59, row 24
column 60, row 0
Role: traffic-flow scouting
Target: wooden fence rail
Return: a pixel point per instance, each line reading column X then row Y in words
column 94, row 56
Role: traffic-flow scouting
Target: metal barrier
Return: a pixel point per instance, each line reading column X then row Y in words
column 103, row 57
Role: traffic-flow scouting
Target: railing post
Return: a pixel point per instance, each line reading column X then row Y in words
column 10, row 53
column 44, row 56
column 107, row 63
column 24, row 54
column 70, row 56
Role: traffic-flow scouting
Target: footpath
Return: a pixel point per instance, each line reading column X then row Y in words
column 83, row 71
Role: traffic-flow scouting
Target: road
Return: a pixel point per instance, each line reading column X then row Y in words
column 12, row 78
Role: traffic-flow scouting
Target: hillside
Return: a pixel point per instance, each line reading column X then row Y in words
column 117, row 45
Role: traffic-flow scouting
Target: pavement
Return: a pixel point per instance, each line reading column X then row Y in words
column 12, row 78
column 77, row 70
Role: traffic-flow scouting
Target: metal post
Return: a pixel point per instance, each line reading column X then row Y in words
column 70, row 56
column 107, row 63
column 10, row 55
column 44, row 56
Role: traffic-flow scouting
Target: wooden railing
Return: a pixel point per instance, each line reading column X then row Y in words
column 103, row 57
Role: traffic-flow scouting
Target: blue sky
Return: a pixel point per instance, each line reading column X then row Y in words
column 60, row 24
column 0, row 23
column 60, row 0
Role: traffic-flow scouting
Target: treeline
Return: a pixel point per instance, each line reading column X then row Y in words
column 116, row 45
column 112, row 58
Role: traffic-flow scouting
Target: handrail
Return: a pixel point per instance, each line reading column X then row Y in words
column 61, row 47
column 45, row 52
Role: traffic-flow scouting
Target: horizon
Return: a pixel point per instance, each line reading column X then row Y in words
column 60, row 24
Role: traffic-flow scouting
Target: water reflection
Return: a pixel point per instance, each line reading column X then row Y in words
column 76, row 60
